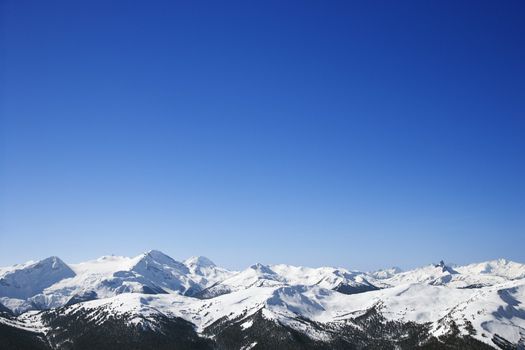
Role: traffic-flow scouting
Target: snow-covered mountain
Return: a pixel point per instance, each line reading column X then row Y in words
column 154, row 299
column 30, row 279
column 501, row 268
column 469, row 276
column 205, row 272
column 259, row 275
column 150, row 273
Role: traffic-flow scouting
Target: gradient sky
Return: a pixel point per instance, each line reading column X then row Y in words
column 362, row 134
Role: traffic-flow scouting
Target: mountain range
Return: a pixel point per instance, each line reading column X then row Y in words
column 154, row 301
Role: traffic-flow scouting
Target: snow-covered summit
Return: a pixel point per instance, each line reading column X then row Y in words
column 158, row 258
column 199, row 261
column 205, row 273
column 28, row 280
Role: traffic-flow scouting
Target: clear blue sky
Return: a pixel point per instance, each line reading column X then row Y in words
column 355, row 133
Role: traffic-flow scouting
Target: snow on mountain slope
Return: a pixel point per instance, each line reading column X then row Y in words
column 495, row 310
column 490, row 310
column 17, row 306
column 139, row 308
column 412, row 302
column 6, row 269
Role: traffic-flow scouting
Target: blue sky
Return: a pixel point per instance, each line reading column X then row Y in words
column 361, row 134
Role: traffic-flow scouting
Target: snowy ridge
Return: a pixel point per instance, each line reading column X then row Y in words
column 469, row 276
column 483, row 300
column 500, row 268
column 260, row 275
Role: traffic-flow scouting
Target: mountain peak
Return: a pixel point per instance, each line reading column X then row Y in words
column 156, row 254
column 55, row 262
column 445, row 268
column 386, row 273
column 159, row 257
column 265, row 269
column 200, row 261
column 157, row 260
column 34, row 278
column 396, row 269
column 502, row 261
